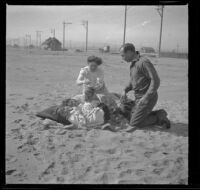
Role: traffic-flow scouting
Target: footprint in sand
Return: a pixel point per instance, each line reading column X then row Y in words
column 158, row 171
column 19, row 174
column 60, row 179
column 77, row 146
column 148, row 154
column 10, row 172
column 29, row 98
column 123, row 164
column 125, row 173
column 47, row 171
column 15, row 94
column 11, row 159
column 108, row 151
column 103, row 178
column 140, row 172
column 17, row 121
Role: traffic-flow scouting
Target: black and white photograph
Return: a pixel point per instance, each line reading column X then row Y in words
column 96, row 94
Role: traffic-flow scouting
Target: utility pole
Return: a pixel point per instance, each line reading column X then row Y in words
column 53, row 31
column 160, row 11
column 38, row 36
column 177, row 48
column 24, row 42
column 28, row 36
column 125, row 13
column 64, row 23
column 85, row 24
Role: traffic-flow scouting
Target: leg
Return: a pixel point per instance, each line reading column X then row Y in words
column 143, row 115
column 70, row 126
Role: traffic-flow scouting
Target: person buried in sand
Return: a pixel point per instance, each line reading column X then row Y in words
column 90, row 113
column 144, row 81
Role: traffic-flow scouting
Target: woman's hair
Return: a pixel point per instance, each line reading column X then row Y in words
column 95, row 59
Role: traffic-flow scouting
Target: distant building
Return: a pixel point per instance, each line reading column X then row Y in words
column 148, row 51
column 105, row 49
column 52, row 44
column 16, row 46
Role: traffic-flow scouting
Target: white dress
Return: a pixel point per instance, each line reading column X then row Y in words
column 97, row 79
column 87, row 115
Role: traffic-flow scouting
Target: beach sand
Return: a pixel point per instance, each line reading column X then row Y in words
column 38, row 153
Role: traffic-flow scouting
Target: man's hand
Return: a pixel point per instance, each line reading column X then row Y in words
column 123, row 97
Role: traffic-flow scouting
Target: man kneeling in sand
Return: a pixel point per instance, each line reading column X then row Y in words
column 145, row 82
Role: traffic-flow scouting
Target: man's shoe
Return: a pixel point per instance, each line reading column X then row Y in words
column 130, row 128
column 163, row 121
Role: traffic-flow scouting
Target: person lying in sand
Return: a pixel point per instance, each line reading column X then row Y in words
column 91, row 113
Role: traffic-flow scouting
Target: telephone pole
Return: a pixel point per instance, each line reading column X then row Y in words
column 85, row 24
column 64, row 23
column 28, row 36
column 125, row 14
column 177, row 48
column 53, row 31
column 38, row 36
column 160, row 12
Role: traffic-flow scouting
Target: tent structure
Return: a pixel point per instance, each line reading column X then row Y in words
column 52, row 44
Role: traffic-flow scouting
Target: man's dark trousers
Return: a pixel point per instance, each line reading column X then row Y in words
column 142, row 114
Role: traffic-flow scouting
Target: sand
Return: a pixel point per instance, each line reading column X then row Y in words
column 37, row 153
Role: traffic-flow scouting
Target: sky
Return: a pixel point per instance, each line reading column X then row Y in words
column 105, row 25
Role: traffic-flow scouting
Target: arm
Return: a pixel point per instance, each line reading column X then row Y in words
column 150, row 72
column 128, row 88
column 80, row 80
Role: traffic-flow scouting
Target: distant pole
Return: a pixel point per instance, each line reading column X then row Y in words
column 30, row 39
column 160, row 11
column 63, row 35
column 64, row 23
column 28, row 36
column 177, row 48
column 125, row 13
column 53, row 31
column 85, row 24
column 27, row 40
column 38, row 38
column 24, row 42
column 36, row 41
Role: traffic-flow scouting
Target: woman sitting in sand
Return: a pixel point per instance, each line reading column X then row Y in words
column 91, row 113
column 93, row 76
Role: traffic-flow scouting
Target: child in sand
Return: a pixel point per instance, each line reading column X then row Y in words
column 87, row 114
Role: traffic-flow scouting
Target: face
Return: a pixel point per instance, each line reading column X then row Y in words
column 93, row 66
column 127, row 56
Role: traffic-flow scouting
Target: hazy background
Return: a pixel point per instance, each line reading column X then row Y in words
column 106, row 25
